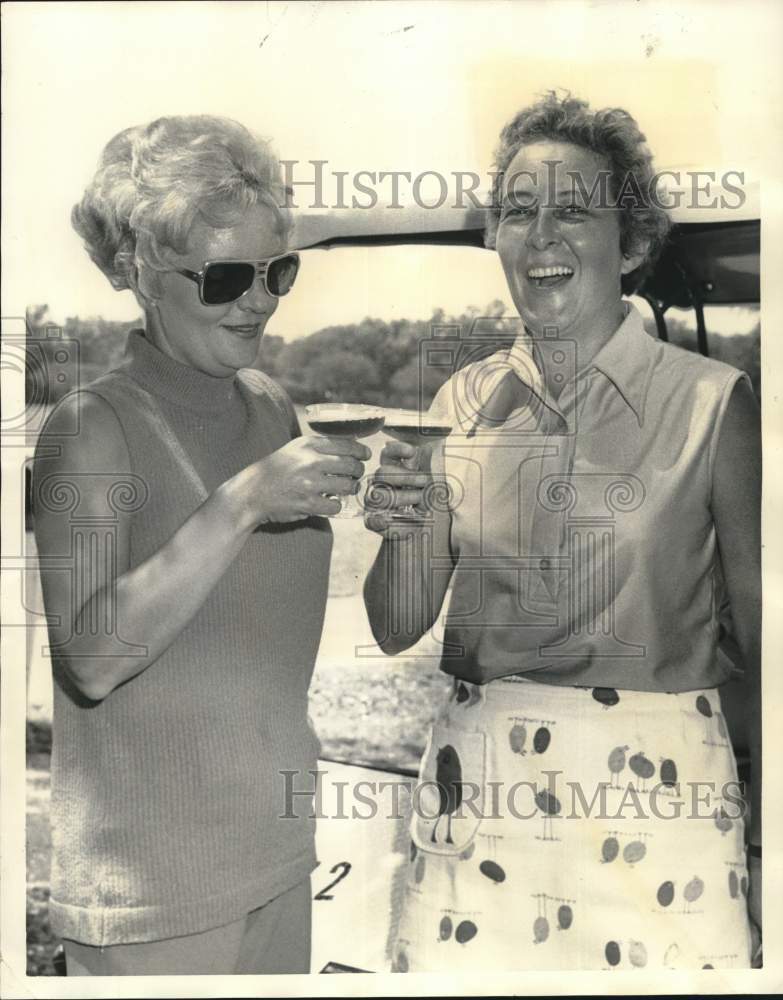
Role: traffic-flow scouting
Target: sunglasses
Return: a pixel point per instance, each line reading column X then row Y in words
column 223, row 281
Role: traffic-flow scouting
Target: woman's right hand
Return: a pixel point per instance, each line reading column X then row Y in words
column 299, row 480
column 395, row 484
column 403, row 592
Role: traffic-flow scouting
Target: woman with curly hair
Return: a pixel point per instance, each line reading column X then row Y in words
column 179, row 518
column 578, row 805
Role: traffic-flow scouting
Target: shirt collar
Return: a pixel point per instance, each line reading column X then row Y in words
column 627, row 359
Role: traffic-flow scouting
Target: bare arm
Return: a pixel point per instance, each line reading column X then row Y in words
column 154, row 601
column 736, row 507
column 403, row 593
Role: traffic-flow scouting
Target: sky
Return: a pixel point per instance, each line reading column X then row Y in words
column 407, row 86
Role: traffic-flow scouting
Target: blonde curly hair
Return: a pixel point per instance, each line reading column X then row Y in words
column 153, row 181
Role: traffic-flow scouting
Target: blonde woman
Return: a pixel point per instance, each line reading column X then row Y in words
column 184, row 644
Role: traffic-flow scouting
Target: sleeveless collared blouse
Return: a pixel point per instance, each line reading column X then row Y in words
column 583, row 531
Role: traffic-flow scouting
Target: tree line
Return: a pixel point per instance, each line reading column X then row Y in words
column 386, row 362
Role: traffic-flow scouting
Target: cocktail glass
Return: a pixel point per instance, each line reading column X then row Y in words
column 348, row 420
column 419, row 430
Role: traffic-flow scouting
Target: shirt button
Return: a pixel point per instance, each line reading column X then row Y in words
column 544, row 564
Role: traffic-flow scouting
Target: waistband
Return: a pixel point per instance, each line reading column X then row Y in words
column 517, row 693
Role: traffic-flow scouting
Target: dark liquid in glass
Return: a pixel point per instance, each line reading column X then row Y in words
column 343, row 427
column 416, row 433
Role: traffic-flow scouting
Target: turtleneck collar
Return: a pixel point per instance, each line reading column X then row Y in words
column 174, row 381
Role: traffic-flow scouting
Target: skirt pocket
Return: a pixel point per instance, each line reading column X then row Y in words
column 449, row 799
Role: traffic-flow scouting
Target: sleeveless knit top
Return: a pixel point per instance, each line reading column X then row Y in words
column 168, row 797
column 585, row 541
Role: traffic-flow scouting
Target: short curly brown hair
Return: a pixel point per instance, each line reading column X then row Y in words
column 611, row 133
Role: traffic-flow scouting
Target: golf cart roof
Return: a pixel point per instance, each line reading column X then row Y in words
column 711, row 258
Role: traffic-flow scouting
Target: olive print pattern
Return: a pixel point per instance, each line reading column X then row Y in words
column 541, row 740
column 516, row 739
column 401, row 963
column 540, row 929
column 616, row 765
column 723, row 821
column 565, row 917
column 551, row 880
column 561, row 921
column 668, row 773
column 550, row 806
column 606, row 696
column 493, row 871
column 609, row 849
column 637, row 954
column 716, row 732
column 634, row 852
column 448, row 777
column 465, row 932
column 642, row 767
column 693, row 889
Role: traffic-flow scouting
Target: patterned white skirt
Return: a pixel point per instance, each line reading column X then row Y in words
column 575, row 828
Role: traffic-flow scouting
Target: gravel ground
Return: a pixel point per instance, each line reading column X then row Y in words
column 385, row 709
column 368, row 708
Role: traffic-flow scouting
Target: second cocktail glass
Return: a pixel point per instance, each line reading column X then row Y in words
column 419, row 430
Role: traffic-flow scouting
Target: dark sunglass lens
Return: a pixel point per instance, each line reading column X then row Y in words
column 281, row 274
column 226, row 282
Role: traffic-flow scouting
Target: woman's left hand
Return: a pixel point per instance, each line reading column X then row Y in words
column 754, row 910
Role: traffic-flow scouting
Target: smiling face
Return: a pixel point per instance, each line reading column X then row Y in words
column 217, row 340
column 560, row 247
